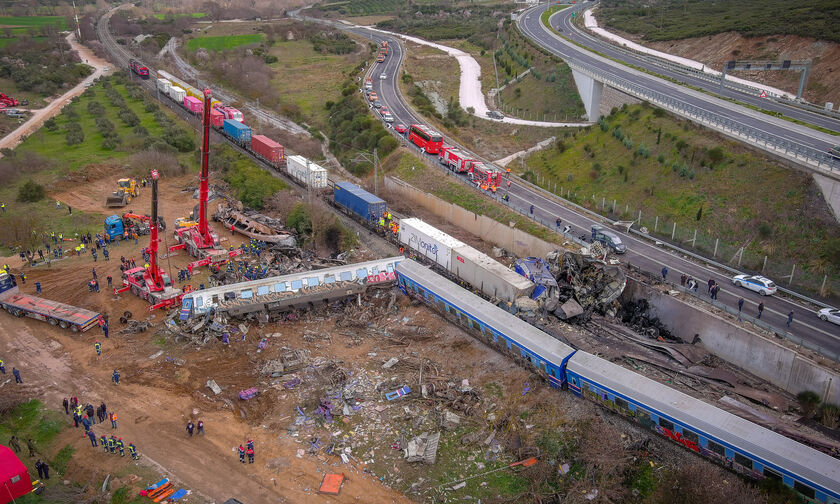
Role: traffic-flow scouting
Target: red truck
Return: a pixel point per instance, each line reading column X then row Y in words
column 57, row 314
column 268, row 150
column 454, row 159
column 486, row 176
column 8, row 101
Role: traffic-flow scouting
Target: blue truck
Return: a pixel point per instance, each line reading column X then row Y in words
column 238, row 132
column 116, row 226
column 359, row 202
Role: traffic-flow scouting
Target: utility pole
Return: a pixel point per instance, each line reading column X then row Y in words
column 375, row 173
column 78, row 30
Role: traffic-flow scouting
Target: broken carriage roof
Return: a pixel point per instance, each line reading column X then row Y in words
column 254, row 285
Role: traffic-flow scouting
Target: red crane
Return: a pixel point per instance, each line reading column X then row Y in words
column 200, row 241
column 151, row 282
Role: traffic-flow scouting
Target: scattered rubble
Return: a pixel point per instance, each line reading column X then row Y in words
column 423, row 448
column 254, row 225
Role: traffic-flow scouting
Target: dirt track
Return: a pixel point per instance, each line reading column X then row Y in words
column 39, row 116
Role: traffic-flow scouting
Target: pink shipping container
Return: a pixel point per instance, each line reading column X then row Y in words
column 217, row 119
column 193, row 104
column 268, row 149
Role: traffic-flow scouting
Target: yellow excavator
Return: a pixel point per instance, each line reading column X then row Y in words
column 127, row 188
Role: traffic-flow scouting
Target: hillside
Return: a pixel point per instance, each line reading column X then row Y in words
column 679, row 19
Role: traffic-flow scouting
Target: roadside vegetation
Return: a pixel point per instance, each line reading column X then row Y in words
column 679, row 19
column 251, row 185
column 37, row 62
column 224, row 43
column 440, row 21
column 668, row 168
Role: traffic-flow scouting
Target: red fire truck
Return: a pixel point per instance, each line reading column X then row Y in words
column 429, row 140
column 488, row 177
column 455, row 159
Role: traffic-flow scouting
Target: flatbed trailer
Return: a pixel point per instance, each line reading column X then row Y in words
column 57, row 314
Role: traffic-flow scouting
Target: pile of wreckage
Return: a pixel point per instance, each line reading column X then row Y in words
column 574, row 286
column 254, row 224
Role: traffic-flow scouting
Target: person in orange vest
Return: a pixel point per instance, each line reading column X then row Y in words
column 113, row 417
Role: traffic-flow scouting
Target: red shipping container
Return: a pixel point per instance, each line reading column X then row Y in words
column 267, row 148
column 193, row 104
column 217, row 119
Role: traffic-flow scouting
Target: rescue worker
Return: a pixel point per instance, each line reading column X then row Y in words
column 16, row 373
column 112, row 444
column 37, row 287
column 200, row 430
column 92, row 437
column 250, row 453
column 105, row 329
column 103, row 440
column 250, row 444
column 532, row 209
column 133, row 451
column 121, row 446
column 241, row 454
column 116, row 377
column 113, row 417
column 2, row 367
column 190, row 427
column 98, row 347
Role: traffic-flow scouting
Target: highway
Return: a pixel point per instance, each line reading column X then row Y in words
column 563, row 22
column 531, row 25
column 641, row 253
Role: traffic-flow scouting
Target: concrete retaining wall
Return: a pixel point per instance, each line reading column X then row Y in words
column 511, row 239
column 750, row 351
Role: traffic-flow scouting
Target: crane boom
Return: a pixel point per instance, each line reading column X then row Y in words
column 204, row 187
column 153, row 232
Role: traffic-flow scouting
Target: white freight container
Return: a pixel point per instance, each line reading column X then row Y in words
column 163, row 86
column 177, row 94
column 428, row 241
column 488, row 275
column 307, row 172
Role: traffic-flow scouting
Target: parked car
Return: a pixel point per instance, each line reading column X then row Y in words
column 830, row 314
column 495, row 114
column 400, row 128
column 758, row 283
column 377, row 103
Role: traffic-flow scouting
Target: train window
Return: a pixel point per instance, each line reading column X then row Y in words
column 804, row 489
column 346, row 276
column 666, row 424
column 297, row 285
column 421, row 291
column 390, row 268
column 361, row 273
column 770, row 473
column 215, row 299
column 621, row 403
column 716, row 448
column 691, row 436
column 374, row 270
column 246, row 294
column 743, row 461
column 262, row 290
column 312, row 282
column 475, row 325
column 441, row 305
column 199, row 302
column 329, row 279
column 230, row 295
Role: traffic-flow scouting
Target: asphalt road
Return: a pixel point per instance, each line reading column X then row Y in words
column 641, row 253
column 531, row 25
column 563, row 22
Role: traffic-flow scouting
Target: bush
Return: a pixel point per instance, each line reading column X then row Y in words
column 299, row 220
column 30, row 192
column 716, row 155
column 75, row 135
column 140, row 131
column 830, row 416
column 809, row 402
column 51, row 125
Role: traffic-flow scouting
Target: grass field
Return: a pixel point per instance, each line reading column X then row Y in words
column 224, row 43
column 308, row 78
column 20, row 24
column 668, row 168
column 679, row 19
column 406, row 166
column 196, row 15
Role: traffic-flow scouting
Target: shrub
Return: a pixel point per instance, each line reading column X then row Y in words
column 30, row 192
column 140, row 131
column 661, row 158
column 764, row 230
column 716, row 155
column 75, row 135
column 809, row 401
column 299, row 220
column 51, row 125
column 830, row 416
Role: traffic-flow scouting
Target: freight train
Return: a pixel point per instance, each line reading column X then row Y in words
column 715, row 434
column 225, row 119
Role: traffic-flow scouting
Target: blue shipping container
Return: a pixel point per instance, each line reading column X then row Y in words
column 238, row 131
column 362, row 203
